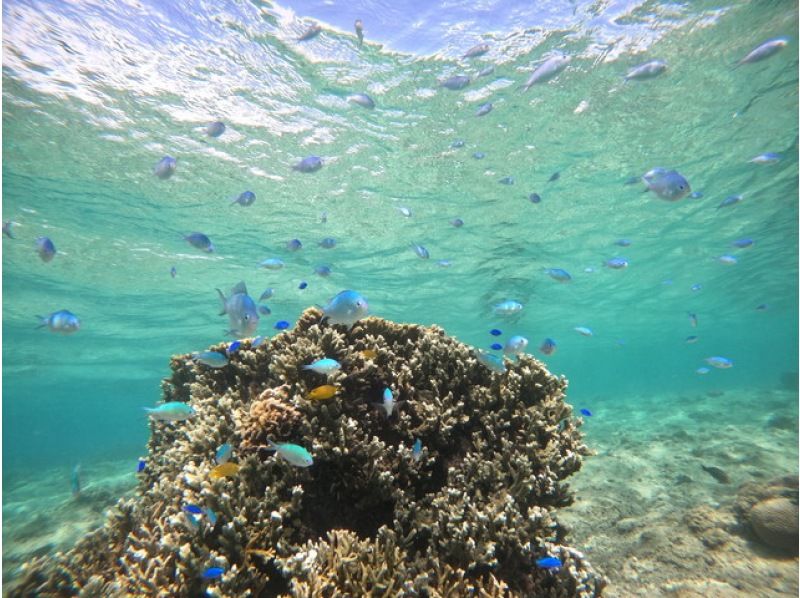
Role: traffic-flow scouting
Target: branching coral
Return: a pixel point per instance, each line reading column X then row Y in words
column 468, row 515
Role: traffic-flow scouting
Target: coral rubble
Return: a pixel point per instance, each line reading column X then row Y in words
column 468, row 515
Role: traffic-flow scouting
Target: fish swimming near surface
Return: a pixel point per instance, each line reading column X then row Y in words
column 586, row 412
column 455, row 82
column 728, row 260
column 310, row 33
column 506, row 180
column 321, row 393
column 173, row 411
column 326, row 366
column 766, row 158
column 730, row 200
column 476, row 51
column 272, row 263
column 241, row 309
column 224, row 470
column 359, row 27
column 294, row 454
column 165, row 168
column 547, row 70
column 558, row 274
column 347, row 308
column 293, row 245
column 212, row 359
column 487, row 70
column 669, row 185
column 327, row 243
column 535, row 198
column 200, row 241
column 60, row 322
column 303, row 284
column 362, row 100
column 484, row 109
column 322, row 270
column 308, row 164
column 507, row 308
column 457, row 222
column 215, row 129
column 46, row 249
column 616, row 263
column 245, row 198
column 764, row 50
column 648, row 70
column 743, row 243
column 420, row 251
column 554, row 177
column 584, row 331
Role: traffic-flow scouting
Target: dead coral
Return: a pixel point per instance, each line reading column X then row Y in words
column 468, row 515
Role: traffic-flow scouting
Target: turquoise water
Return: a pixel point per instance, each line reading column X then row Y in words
column 95, row 95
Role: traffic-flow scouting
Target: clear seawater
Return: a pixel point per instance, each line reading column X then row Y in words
column 95, row 93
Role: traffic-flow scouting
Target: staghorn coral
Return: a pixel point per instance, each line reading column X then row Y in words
column 469, row 516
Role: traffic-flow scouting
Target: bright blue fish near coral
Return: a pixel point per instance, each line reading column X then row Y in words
column 193, row 509
column 60, row 322
column 548, row 562
column 281, row 325
column 140, row 465
column 586, row 412
column 212, row 359
column 416, row 450
column 495, row 332
column 495, row 346
column 173, row 411
column 223, row 453
column 515, row 345
column 213, row 573
column 548, row 346
column 491, row 361
column 325, row 366
column 294, row 454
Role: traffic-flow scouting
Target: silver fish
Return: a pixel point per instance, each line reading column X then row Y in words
column 667, row 184
column 478, row 50
column 765, row 50
column 361, row 99
column 241, row 309
column 648, row 70
column 547, row 70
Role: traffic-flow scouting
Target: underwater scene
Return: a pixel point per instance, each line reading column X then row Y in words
column 438, row 299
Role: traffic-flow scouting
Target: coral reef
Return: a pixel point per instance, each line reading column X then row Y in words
column 770, row 511
column 469, row 514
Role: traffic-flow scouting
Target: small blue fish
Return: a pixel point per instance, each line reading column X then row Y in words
column 303, row 285
column 45, row 248
column 729, row 201
column 388, row 405
column 548, row 346
column 171, row 412
column 328, row 243
column 457, row 222
column 484, row 109
column 762, row 307
column 193, row 509
column 362, row 100
column 212, row 516
column 140, row 465
column 767, row 158
column 257, row 341
column 697, row 287
column 554, row 177
column 586, row 412
column 648, row 70
column 455, row 82
column 323, row 270
column 558, row 274
column 325, row 366
column 215, row 129
column 692, row 319
column 547, row 70
column 495, row 346
column 233, row 347
column 506, row 180
column 476, row 51
column 272, row 263
column 223, row 453
column 165, row 167
column 199, row 241
column 548, row 562
column 584, row 331
column 212, row 359
column 444, row 263
column 293, row 453
column 266, row 294
column 457, row 143
column 765, row 50
column 213, row 573
column 728, row 260
column 623, row 242
column 690, row 340
column 669, row 185
column 617, row 263
column 743, row 243
column 420, row 251
column 246, row 198
column 264, row 310
column 515, row 345
column 702, row 371
column 495, row 332
column 491, row 361
column 479, row 155
column 722, row 363
column 294, row 245
column 416, row 450
column 173, row 272
column 695, row 195
column 347, row 307
column 507, row 308
column 535, row 198
column 60, row 322
column 309, row 164
column 281, row 325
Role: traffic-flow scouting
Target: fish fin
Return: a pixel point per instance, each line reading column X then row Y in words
column 224, row 302
column 239, row 288
column 42, row 322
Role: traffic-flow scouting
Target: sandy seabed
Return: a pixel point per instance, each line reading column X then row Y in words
column 647, row 514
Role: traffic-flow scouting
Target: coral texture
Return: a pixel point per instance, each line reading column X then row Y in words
column 468, row 515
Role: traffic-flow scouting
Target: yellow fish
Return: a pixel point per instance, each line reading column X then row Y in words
column 369, row 353
column 326, row 391
column 225, row 470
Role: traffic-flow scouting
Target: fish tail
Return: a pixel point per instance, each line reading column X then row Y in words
column 224, row 302
column 42, row 322
column 271, row 446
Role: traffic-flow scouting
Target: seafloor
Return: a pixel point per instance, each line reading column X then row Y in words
column 647, row 515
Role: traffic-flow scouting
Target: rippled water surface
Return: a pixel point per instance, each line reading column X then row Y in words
column 95, row 93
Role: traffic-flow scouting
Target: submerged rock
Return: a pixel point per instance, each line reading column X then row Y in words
column 775, row 523
column 469, row 513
